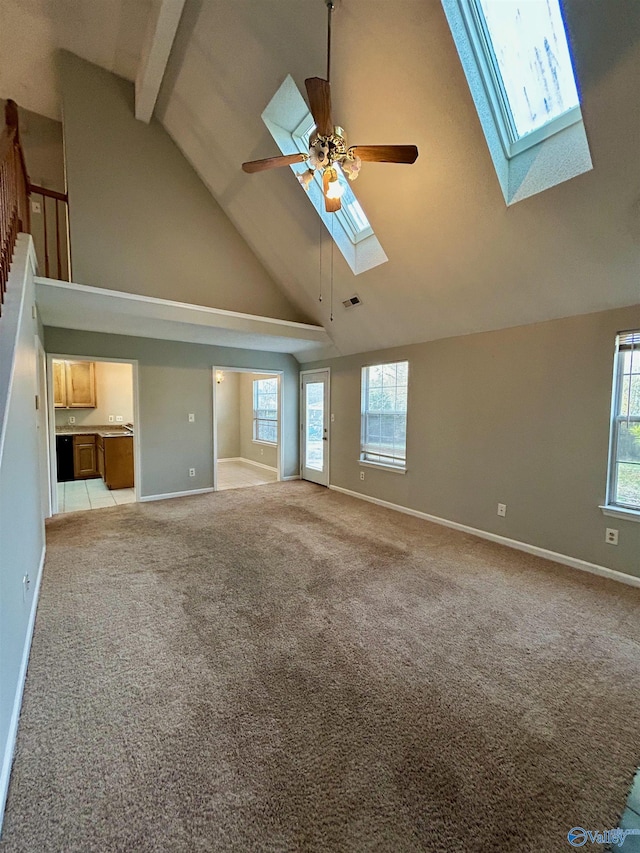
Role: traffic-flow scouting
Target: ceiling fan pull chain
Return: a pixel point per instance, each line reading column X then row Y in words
column 320, row 244
column 333, row 242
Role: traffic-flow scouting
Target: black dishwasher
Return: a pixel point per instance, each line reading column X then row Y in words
column 64, row 457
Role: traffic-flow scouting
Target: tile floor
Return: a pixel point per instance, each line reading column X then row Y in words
column 239, row 475
column 631, row 819
column 90, row 494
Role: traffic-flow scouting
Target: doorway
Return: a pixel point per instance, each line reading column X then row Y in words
column 314, row 419
column 93, row 436
column 247, row 417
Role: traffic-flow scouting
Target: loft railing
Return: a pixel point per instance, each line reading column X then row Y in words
column 49, row 225
column 50, row 231
column 14, row 193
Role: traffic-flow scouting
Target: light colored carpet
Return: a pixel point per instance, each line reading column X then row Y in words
column 290, row 669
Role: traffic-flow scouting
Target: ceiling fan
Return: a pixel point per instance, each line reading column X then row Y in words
column 327, row 145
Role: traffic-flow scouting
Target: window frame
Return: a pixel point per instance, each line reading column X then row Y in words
column 612, row 503
column 544, row 158
column 487, row 62
column 401, row 465
column 258, row 420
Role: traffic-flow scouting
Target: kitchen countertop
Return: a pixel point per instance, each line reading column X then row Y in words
column 106, row 430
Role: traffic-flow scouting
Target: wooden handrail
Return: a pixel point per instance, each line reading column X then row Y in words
column 14, row 192
column 34, row 188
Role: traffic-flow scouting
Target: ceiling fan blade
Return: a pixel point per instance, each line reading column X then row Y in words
column 273, row 163
column 386, row 153
column 319, row 93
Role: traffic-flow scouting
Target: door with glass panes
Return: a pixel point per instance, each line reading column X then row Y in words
column 314, row 426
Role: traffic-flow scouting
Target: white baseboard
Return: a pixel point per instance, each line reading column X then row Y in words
column 10, row 745
column 168, row 495
column 249, row 462
column 291, row 477
column 565, row 560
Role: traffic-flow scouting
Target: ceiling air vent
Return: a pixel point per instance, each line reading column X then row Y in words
column 352, row 301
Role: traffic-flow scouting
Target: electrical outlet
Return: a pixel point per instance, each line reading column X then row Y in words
column 192, row 417
column 611, row 536
column 333, row 418
column 119, row 419
column 72, row 420
column 362, row 475
column 26, row 583
column 262, row 451
column 111, row 418
column 502, row 510
column 192, row 472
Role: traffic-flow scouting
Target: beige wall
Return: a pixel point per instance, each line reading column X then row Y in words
column 228, row 416
column 265, row 454
column 519, row 416
column 114, row 396
column 175, row 379
column 142, row 221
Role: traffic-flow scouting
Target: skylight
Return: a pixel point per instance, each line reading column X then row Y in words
column 289, row 120
column 526, row 46
column 517, row 62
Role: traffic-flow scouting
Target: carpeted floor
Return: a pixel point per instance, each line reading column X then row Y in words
column 289, row 669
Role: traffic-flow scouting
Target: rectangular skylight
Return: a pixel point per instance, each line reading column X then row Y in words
column 526, row 46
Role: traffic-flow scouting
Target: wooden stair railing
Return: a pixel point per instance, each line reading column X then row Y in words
column 15, row 190
column 59, row 200
column 14, row 193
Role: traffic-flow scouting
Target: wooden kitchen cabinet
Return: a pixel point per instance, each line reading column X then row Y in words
column 74, row 384
column 84, row 457
column 115, row 456
column 59, row 384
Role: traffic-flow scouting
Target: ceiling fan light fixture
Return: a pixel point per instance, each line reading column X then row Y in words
column 334, row 188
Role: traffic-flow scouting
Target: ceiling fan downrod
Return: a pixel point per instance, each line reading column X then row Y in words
column 330, row 8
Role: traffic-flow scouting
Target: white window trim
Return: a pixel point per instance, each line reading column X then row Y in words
column 275, row 420
column 397, row 469
column 540, row 160
column 286, row 114
column 611, row 508
column 369, row 463
column 620, row 512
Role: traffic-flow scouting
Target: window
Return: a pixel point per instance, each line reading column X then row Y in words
column 624, row 461
column 517, row 62
column 384, row 414
column 290, row 123
column 528, row 62
column 265, row 410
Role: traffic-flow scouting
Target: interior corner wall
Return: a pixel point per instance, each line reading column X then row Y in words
column 21, row 522
column 141, row 220
column 264, row 454
column 175, row 379
column 228, row 416
column 518, row 416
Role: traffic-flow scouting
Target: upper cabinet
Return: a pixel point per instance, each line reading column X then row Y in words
column 74, row 384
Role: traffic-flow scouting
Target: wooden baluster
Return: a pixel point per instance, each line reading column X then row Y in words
column 58, row 240
column 46, row 241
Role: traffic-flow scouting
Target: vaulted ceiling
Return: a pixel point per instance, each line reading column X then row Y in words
column 460, row 261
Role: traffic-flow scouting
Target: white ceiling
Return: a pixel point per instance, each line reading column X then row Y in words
column 459, row 260
column 109, row 33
